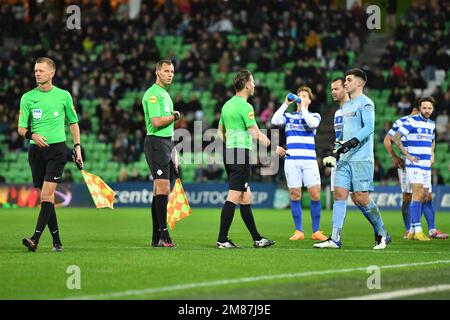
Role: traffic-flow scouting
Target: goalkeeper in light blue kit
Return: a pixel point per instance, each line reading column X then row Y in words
column 355, row 162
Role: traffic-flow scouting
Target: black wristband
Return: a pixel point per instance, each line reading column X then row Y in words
column 76, row 144
column 176, row 116
column 29, row 135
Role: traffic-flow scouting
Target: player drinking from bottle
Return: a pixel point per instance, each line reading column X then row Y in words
column 300, row 166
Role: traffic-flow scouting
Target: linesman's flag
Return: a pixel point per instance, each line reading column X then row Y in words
column 178, row 206
column 101, row 193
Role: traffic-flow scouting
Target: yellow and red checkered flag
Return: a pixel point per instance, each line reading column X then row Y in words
column 101, row 193
column 178, row 206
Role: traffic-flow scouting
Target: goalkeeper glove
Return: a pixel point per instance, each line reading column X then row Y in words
column 329, row 161
column 346, row 146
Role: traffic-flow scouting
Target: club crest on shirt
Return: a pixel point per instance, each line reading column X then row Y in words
column 37, row 114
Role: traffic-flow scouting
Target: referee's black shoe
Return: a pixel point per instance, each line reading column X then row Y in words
column 166, row 243
column 263, row 243
column 57, row 247
column 226, row 245
column 30, row 244
column 154, row 243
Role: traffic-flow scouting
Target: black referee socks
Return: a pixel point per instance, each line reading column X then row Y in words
column 161, row 214
column 225, row 220
column 53, row 226
column 247, row 216
column 44, row 216
column 155, row 233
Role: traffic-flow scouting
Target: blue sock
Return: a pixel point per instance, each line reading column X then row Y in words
column 372, row 213
column 316, row 209
column 429, row 213
column 416, row 214
column 339, row 211
column 367, row 215
column 406, row 214
column 296, row 208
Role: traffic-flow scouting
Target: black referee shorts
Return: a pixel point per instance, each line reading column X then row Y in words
column 237, row 166
column 158, row 152
column 47, row 164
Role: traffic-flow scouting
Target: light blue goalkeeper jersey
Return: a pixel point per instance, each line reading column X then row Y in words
column 359, row 122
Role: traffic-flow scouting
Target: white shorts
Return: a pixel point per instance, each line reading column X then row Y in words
column 420, row 176
column 332, row 178
column 404, row 182
column 301, row 173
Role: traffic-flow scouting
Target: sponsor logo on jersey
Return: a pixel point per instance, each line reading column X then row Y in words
column 153, row 99
column 251, row 115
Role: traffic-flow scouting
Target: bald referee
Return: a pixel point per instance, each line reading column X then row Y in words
column 237, row 127
column 43, row 111
column 158, row 147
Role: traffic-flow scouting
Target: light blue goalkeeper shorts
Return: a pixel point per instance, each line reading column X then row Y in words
column 355, row 176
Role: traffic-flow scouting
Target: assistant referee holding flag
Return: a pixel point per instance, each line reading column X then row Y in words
column 158, row 147
column 42, row 120
column 237, row 127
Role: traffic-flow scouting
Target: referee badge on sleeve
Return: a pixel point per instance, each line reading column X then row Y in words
column 153, row 99
column 251, row 115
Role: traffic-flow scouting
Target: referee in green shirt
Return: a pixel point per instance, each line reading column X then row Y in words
column 43, row 111
column 158, row 147
column 237, row 127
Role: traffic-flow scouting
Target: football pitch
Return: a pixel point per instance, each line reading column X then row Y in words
column 112, row 250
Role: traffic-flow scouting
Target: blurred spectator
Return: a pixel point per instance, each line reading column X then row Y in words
column 442, row 125
column 266, row 115
column 403, row 106
column 68, row 177
column 436, row 178
column 123, row 175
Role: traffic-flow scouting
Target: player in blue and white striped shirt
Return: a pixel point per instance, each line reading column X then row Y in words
column 300, row 166
column 399, row 163
column 418, row 149
column 427, row 204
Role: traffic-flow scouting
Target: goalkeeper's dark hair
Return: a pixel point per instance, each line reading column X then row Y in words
column 160, row 63
column 241, row 79
column 427, row 99
column 357, row 73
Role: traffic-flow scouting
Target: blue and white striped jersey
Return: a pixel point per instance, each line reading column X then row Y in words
column 398, row 124
column 419, row 133
column 300, row 136
column 338, row 124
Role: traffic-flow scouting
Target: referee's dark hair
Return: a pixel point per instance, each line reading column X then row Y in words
column 357, row 73
column 241, row 79
column 427, row 99
column 160, row 63
column 48, row 61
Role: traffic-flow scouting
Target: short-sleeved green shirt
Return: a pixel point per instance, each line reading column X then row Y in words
column 46, row 112
column 236, row 117
column 157, row 103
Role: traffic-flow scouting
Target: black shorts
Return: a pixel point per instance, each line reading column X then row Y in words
column 47, row 164
column 158, row 152
column 237, row 166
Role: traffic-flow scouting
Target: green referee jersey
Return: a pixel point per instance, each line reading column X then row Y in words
column 46, row 112
column 236, row 117
column 157, row 103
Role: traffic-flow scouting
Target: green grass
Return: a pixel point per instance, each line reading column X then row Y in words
column 113, row 253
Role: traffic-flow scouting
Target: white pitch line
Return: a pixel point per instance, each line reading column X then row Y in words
column 386, row 251
column 193, row 285
column 402, row 293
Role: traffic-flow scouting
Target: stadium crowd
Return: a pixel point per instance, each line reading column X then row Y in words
column 112, row 54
